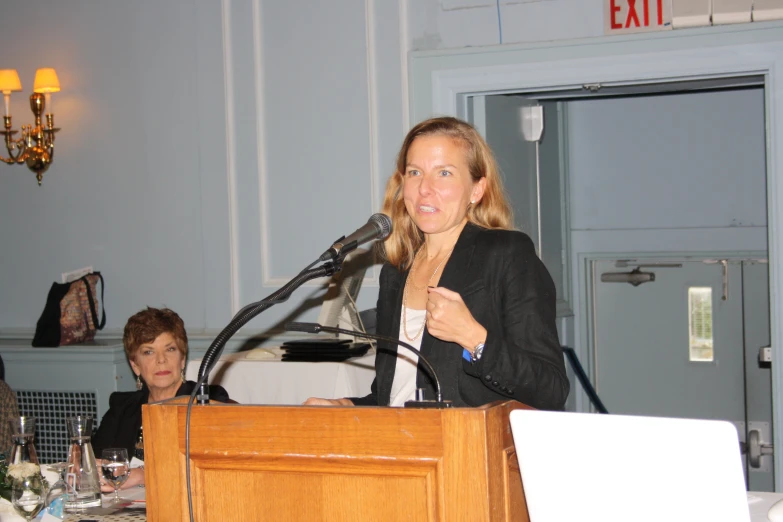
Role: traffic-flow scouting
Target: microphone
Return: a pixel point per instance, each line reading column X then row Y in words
column 377, row 227
column 439, row 403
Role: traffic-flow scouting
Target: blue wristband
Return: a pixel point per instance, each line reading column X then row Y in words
column 466, row 355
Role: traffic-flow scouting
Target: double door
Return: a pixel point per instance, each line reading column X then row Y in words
column 687, row 341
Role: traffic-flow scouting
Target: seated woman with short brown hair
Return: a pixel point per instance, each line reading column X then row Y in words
column 156, row 345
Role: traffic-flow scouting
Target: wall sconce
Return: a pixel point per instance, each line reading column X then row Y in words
column 35, row 147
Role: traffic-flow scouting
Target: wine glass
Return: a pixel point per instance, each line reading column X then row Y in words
column 115, row 467
column 59, row 488
column 27, row 495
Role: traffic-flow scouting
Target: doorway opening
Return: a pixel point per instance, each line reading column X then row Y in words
column 658, row 168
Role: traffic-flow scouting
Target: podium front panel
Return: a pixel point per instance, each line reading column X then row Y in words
column 332, row 463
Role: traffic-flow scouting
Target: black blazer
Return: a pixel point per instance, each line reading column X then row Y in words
column 120, row 425
column 509, row 291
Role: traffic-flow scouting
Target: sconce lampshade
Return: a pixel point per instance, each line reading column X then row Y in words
column 9, row 81
column 46, row 81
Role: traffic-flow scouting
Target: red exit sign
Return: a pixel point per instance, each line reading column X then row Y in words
column 637, row 16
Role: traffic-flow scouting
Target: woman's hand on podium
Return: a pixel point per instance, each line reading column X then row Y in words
column 317, row 401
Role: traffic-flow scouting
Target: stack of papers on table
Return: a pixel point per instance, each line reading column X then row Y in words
column 323, row 350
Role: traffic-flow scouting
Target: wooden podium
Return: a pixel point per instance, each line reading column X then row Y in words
column 284, row 463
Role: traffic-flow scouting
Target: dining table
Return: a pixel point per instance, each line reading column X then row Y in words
column 758, row 505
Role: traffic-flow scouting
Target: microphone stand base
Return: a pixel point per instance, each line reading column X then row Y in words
column 442, row 405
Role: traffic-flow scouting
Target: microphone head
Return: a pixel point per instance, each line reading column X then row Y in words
column 382, row 223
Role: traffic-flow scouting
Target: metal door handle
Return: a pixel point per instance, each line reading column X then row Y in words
column 756, row 448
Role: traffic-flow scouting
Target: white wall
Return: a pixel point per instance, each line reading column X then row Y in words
column 211, row 149
column 317, row 118
column 450, row 24
column 680, row 161
column 140, row 155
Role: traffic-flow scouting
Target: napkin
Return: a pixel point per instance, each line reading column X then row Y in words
column 260, row 353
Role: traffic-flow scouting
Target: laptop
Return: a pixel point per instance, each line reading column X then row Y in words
column 590, row 467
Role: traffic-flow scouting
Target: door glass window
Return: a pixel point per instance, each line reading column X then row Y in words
column 700, row 324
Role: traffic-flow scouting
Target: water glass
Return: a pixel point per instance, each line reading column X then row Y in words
column 28, row 495
column 58, row 489
column 116, row 468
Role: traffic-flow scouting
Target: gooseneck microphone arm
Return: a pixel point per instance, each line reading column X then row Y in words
column 249, row 312
column 315, row 328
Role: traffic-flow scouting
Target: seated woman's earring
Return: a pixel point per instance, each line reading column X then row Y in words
column 138, row 382
column 182, row 374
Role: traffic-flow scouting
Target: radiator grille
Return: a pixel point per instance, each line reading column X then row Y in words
column 50, row 408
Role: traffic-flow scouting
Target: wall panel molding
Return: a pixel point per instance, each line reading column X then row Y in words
column 258, row 68
column 404, row 37
column 228, row 75
column 275, row 281
column 372, row 100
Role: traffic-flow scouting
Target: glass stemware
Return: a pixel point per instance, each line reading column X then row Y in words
column 27, row 495
column 59, row 488
column 115, row 467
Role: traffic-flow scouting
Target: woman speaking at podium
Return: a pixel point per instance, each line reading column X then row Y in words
column 459, row 284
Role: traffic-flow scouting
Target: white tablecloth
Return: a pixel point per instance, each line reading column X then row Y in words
column 759, row 503
column 272, row 381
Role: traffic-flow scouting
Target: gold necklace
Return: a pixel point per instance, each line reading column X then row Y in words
column 413, row 271
column 405, row 298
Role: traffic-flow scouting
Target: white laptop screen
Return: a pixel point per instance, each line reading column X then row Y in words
column 591, row 467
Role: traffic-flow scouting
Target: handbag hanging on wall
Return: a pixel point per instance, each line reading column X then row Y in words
column 71, row 313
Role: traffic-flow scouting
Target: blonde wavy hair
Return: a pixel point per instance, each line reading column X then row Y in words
column 492, row 211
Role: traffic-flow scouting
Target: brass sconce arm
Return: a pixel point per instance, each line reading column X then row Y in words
column 15, row 148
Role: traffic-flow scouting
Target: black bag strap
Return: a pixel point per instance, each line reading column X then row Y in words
column 103, row 302
column 92, row 301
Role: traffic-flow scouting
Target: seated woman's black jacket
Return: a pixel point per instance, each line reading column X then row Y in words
column 120, row 425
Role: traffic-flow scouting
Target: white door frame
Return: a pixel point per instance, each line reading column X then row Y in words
column 441, row 81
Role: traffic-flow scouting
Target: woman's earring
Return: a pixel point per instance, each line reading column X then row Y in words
column 138, row 382
column 182, row 374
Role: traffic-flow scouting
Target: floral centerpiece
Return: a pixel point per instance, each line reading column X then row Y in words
column 23, row 470
column 9, row 473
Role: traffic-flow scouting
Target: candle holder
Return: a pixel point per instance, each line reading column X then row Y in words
column 35, row 146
